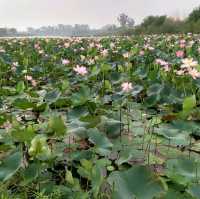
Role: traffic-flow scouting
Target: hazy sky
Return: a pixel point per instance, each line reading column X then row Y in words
column 26, row 13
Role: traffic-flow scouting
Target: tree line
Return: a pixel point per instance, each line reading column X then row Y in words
column 165, row 24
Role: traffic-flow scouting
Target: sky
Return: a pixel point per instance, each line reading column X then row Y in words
column 35, row 13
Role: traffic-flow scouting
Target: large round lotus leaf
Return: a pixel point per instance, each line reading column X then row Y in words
column 10, row 165
column 99, row 139
column 81, row 97
column 182, row 171
column 138, row 182
column 194, row 191
column 154, row 89
column 23, row 103
column 52, row 96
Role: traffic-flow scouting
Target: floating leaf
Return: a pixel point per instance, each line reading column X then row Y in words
column 132, row 183
column 99, row 139
column 189, row 103
column 194, row 191
column 10, row 165
column 57, row 126
column 20, row 87
column 81, row 97
column 52, row 96
column 23, row 103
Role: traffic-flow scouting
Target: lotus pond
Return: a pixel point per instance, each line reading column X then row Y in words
column 100, row 118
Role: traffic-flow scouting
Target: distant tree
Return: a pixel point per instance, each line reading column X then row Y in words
column 194, row 16
column 154, row 21
column 130, row 22
column 122, row 19
column 148, row 21
column 125, row 21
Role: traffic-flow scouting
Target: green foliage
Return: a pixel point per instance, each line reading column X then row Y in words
column 194, row 16
column 127, row 128
column 39, row 148
column 164, row 24
column 10, row 165
column 133, row 182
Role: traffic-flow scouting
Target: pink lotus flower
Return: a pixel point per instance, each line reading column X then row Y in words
column 37, row 46
column 41, row 51
column 66, row 45
column 141, row 53
column 151, row 48
column 15, row 64
column 112, row 45
column 180, row 53
column 81, row 70
column 91, row 61
column 188, row 62
column 180, row 72
column 34, row 83
column 92, row 45
column 2, row 50
column 104, row 52
column 126, row 55
column 98, row 46
column 182, row 45
column 165, row 65
column 182, row 41
column 82, row 49
column 13, row 68
column 28, row 77
column 126, row 87
column 65, row 61
column 161, row 62
column 194, row 73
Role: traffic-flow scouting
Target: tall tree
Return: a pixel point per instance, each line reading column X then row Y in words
column 125, row 21
column 122, row 19
column 194, row 15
